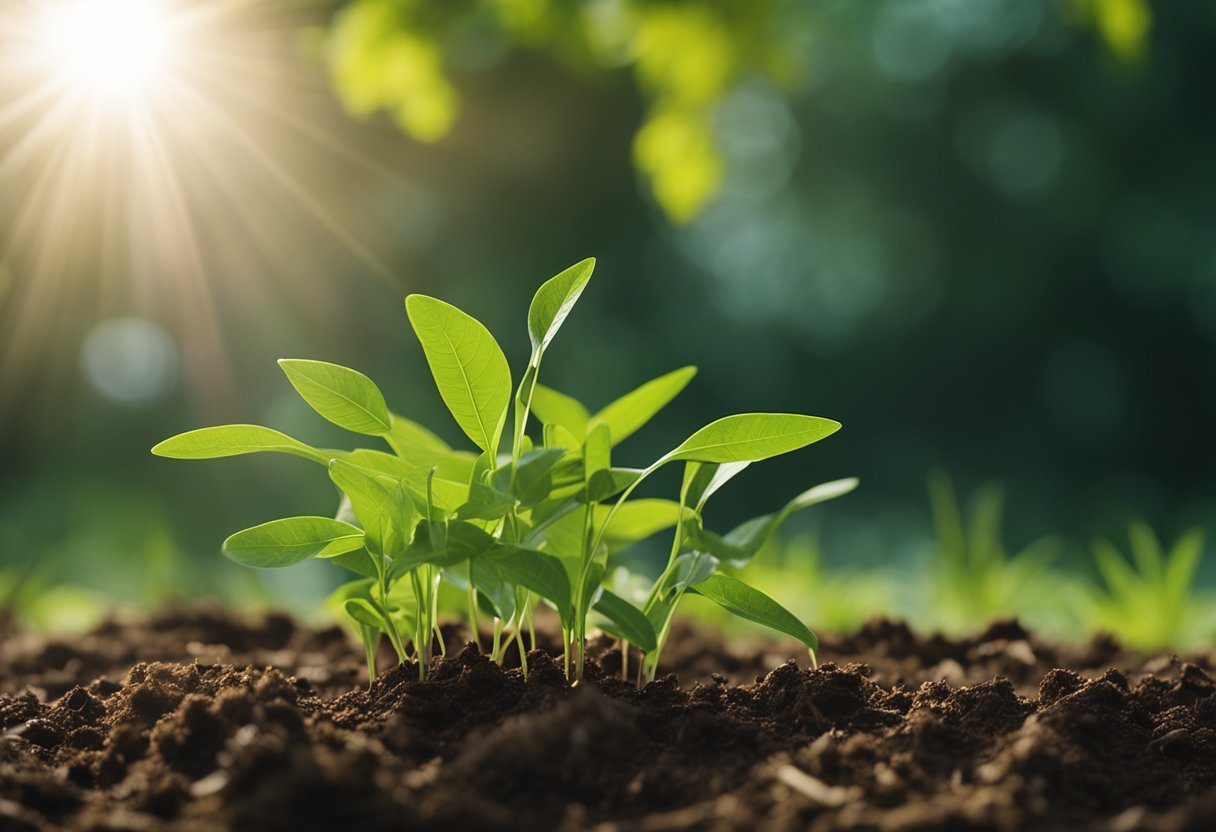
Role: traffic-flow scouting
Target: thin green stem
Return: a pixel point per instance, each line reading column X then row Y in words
column 474, row 623
column 496, row 648
column 531, row 607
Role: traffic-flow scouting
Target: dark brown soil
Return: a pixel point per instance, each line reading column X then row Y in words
column 202, row 721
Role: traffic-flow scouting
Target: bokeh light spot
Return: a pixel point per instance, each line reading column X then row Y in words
column 130, row 360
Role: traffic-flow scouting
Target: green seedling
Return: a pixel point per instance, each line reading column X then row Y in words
column 975, row 579
column 794, row 573
column 1150, row 602
column 525, row 517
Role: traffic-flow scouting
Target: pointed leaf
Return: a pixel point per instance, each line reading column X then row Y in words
column 553, row 302
column 543, row 574
column 485, row 503
column 750, row 437
column 380, row 502
column 702, row 479
column 363, row 612
column 1182, row 563
column 597, row 452
column 469, row 368
column 344, row 396
column 532, row 477
column 748, row 538
column 750, row 603
column 234, row 440
column 631, row 624
column 413, row 442
column 637, row 520
column 554, row 408
column 628, row 413
column 443, row 545
column 609, row 482
column 292, row 540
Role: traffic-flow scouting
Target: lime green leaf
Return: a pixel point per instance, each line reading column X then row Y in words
column 469, row 368
column 748, row 538
column 380, row 503
column 637, row 520
column 597, row 452
column 292, row 540
column 738, row 598
column 554, row 408
column 1182, row 563
column 628, row 413
column 344, row 396
column 413, row 442
column 750, row 437
column 630, row 623
column 553, row 302
column 702, row 479
column 443, row 545
column 234, row 440
column 363, row 612
column 485, row 503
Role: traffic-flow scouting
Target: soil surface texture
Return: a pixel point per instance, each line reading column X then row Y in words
column 204, row 720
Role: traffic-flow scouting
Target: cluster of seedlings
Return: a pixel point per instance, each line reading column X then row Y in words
column 541, row 517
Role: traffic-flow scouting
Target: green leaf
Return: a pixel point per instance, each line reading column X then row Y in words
column 443, row 545
column 554, row 408
column 531, row 478
column 485, row 503
column 493, row 586
column 1146, row 551
column 344, row 396
column 292, row 540
column 553, row 302
column 703, row 479
column 749, row 603
column 380, row 503
column 631, row 624
column 413, row 442
column 597, row 452
column 363, row 612
column 750, row 437
column 234, row 440
column 637, row 520
column 535, row 571
column 469, row 368
column 1182, row 563
column 606, row 483
column 748, row 538
column 451, row 482
column 628, row 413
column 691, row 568
column 358, row 561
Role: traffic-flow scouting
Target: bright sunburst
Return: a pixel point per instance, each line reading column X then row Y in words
column 153, row 155
column 119, row 47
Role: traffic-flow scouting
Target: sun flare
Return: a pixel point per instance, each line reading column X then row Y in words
column 119, row 47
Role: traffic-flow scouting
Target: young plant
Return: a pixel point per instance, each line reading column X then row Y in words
column 536, row 522
column 1150, row 603
column 975, row 579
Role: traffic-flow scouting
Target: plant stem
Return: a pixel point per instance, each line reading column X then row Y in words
column 474, row 623
column 531, row 626
column 422, row 629
column 496, row 649
column 523, row 654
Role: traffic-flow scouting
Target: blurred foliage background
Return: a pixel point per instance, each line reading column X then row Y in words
column 977, row 232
